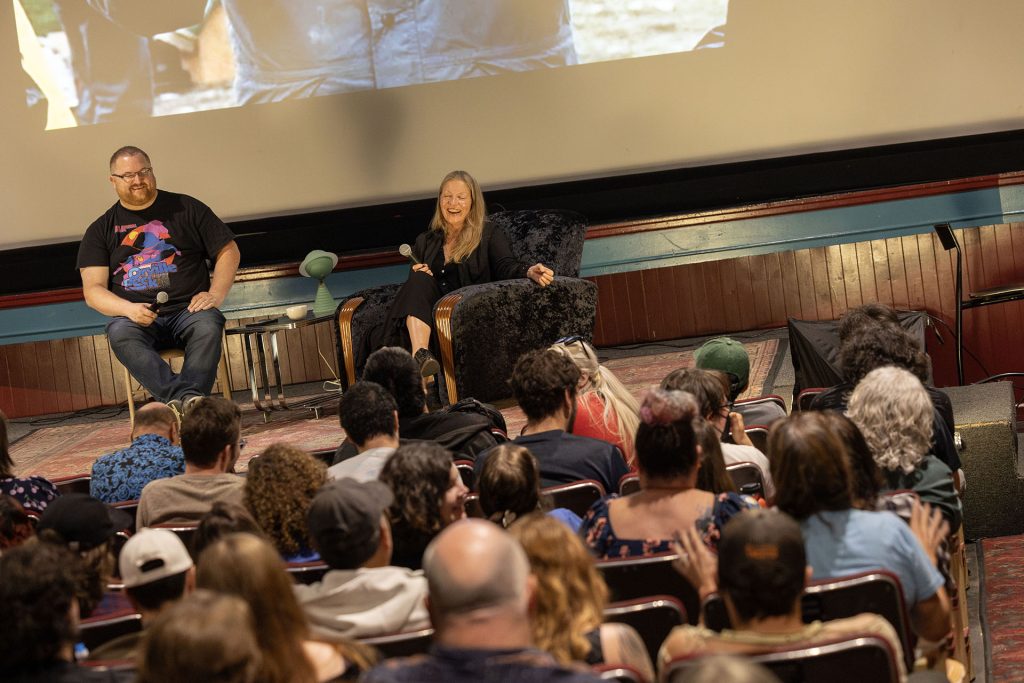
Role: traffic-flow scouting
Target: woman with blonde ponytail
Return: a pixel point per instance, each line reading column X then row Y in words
column 604, row 407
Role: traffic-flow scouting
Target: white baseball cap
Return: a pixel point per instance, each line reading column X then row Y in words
column 151, row 555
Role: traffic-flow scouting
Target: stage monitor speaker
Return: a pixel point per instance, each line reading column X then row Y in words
column 986, row 420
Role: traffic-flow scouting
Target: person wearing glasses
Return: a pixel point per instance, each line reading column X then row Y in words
column 459, row 249
column 150, row 246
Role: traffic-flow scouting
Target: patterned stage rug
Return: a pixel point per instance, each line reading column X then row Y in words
column 1001, row 565
column 71, row 449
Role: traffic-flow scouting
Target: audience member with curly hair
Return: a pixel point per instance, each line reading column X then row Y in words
column 569, row 600
column 16, row 526
column 38, row 585
column 206, row 636
column 815, row 483
column 280, row 486
column 34, row 493
column 429, row 495
column 643, row 523
column 604, row 407
column 249, row 567
column 509, row 488
column 892, row 410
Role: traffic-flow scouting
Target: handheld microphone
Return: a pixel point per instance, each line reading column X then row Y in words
column 161, row 299
column 406, row 251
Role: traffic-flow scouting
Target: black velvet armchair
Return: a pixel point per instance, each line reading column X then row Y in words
column 483, row 329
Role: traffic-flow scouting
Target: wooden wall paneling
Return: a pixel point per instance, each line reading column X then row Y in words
column 866, row 273
column 235, row 348
column 775, row 286
column 897, row 272
column 76, row 375
column 791, row 285
column 90, row 374
column 310, row 360
column 26, row 380
column 606, row 322
column 728, row 289
column 880, row 264
column 1010, row 246
column 759, row 296
column 836, row 279
column 61, row 387
column 620, row 309
column 851, row 275
column 977, row 328
column 660, row 300
column 820, row 283
column 105, row 370
column 290, row 355
column 999, row 313
column 922, row 262
column 325, row 340
column 6, row 391
column 692, row 303
column 745, row 293
column 45, row 385
column 639, row 306
column 708, row 314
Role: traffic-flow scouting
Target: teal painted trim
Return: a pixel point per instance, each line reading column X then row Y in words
column 246, row 300
column 787, row 232
column 640, row 251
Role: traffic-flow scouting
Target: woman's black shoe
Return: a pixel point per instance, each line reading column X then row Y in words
column 428, row 364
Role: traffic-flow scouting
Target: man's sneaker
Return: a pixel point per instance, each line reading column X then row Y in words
column 177, row 409
column 428, row 364
column 190, row 403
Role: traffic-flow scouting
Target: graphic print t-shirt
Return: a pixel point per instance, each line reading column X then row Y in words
column 162, row 248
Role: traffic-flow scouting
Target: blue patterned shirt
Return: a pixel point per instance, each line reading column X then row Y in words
column 120, row 476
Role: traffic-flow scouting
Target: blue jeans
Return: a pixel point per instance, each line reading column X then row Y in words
column 138, row 348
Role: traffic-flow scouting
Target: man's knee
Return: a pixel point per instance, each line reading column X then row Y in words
column 205, row 325
column 122, row 330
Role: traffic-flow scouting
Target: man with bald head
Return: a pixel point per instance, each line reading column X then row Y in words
column 480, row 589
column 154, row 454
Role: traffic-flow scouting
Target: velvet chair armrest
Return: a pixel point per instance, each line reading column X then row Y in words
column 355, row 318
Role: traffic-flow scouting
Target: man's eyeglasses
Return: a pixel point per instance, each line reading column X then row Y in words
column 566, row 341
column 129, row 177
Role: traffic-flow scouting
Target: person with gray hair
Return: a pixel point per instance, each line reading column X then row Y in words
column 893, row 411
column 480, row 590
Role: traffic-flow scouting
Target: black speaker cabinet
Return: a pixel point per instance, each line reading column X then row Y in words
column 986, row 420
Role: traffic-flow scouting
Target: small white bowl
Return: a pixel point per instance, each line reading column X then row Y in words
column 296, row 312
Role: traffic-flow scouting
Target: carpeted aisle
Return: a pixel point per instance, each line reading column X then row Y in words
column 1001, row 569
column 71, row 449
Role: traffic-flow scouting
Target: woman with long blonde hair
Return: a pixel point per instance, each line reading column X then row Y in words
column 568, row 608
column 460, row 248
column 604, row 407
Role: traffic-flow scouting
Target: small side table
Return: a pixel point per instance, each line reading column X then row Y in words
column 261, row 332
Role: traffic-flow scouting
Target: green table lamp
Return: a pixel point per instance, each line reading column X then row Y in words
column 318, row 264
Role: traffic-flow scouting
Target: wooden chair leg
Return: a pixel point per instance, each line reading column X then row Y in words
column 131, row 397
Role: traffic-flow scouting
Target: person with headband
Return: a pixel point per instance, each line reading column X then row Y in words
column 668, row 458
column 604, row 407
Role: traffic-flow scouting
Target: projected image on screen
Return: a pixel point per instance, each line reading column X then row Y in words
column 108, row 60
